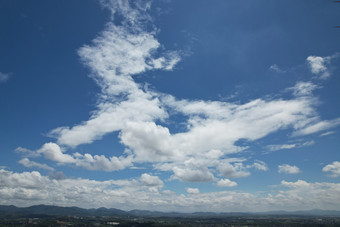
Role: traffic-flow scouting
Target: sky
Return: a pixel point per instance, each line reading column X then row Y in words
column 170, row 105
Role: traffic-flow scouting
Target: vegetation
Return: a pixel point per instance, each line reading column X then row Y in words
column 73, row 216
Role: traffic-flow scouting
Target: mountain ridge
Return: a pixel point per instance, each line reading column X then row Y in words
column 51, row 210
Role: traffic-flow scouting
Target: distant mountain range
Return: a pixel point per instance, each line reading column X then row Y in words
column 46, row 210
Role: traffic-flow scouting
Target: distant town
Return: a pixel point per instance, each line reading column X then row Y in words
column 42, row 215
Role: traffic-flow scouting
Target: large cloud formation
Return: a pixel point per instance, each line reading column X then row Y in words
column 202, row 152
column 146, row 193
column 212, row 127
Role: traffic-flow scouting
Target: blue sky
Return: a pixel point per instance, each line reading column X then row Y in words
column 170, row 105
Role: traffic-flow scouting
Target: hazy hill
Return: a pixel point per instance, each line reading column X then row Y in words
column 76, row 211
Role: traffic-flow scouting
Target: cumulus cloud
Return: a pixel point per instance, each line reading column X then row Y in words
column 333, row 168
column 54, row 152
column 193, row 174
column 318, row 65
column 32, row 188
column 233, row 171
column 57, row 175
column 192, row 190
column 226, row 183
column 152, row 181
column 100, row 162
column 140, row 116
column 285, row 168
column 31, row 164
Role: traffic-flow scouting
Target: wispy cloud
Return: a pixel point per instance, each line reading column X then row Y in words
column 277, row 147
column 4, row 77
column 303, row 88
column 318, row 126
column 276, row 68
column 31, row 164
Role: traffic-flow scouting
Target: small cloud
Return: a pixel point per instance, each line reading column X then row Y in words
column 192, row 190
column 226, row 183
column 278, row 147
column 307, row 143
column 260, row 165
column 303, row 88
column 285, row 168
column 318, row 65
column 26, row 152
column 136, row 167
column 276, row 68
column 31, row 164
column 327, row 133
column 4, row 77
column 334, row 168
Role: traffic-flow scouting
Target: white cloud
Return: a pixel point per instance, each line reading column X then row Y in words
column 192, row 190
column 31, row 164
column 4, row 77
column 32, row 188
column 53, row 152
column 152, row 181
column 318, row 126
column 318, row 64
column 193, row 174
column 333, row 168
column 114, row 56
column 260, row 165
column 100, row 162
column 276, row 68
column 277, row 147
column 303, row 88
column 226, row 183
column 285, row 168
column 111, row 117
column 213, row 128
column 233, row 171
column 327, row 133
column 26, row 152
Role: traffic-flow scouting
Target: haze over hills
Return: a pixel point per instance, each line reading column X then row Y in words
column 76, row 211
